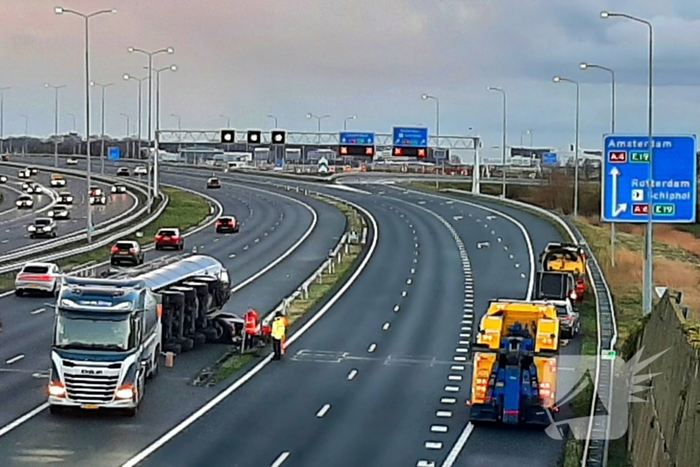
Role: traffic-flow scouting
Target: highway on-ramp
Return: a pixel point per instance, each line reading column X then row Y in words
column 274, row 225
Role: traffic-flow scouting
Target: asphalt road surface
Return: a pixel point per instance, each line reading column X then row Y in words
column 271, row 224
column 380, row 380
column 13, row 224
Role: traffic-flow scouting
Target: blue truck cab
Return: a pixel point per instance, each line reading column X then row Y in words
column 106, row 343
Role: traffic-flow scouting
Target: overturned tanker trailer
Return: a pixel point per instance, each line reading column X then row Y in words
column 193, row 289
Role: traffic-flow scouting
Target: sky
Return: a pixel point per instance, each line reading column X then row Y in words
column 247, row 59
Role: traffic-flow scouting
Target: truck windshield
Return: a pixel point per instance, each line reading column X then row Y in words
column 77, row 331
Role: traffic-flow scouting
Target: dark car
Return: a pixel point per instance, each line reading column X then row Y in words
column 34, row 170
column 43, row 227
column 227, row 224
column 126, row 251
column 123, row 172
column 59, row 212
column 65, row 197
column 169, row 238
column 213, row 182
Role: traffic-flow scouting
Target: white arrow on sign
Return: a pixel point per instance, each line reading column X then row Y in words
column 616, row 209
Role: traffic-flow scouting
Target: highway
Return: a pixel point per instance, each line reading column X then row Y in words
column 272, row 224
column 14, row 223
column 381, row 380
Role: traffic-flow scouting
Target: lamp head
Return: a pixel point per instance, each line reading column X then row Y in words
column 556, row 79
column 354, row 117
column 92, row 83
column 58, row 10
column 127, row 76
column 583, row 66
column 605, row 14
column 424, row 96
column 170, row 50
column 309, row 115
column 130, row 49
column 46, row 85
column 173, row 67
column 114, row 11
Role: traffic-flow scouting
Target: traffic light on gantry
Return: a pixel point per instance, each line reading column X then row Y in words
column 228, row 136
column 254, row 137
column 278, row 136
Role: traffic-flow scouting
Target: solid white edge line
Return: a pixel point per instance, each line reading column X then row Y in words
column 459, row 445
column 161, row 441
column 282, row 457
column 19, row 421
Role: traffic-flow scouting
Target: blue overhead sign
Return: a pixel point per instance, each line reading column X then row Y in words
column 354, row 138
column 627, row 194
column 113, row 153
column 550, row 158
column 410, row 137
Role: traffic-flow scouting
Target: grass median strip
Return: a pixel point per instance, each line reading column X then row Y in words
column 318, row 291
column 184, row 211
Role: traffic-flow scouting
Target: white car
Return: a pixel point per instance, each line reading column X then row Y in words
column 43, row 227
column 38, row 277
column 31, row 187
column 97, row 196
column 141, row 170
column 3, row 179
column 59, row 212
column 65, row 197
column 569, row 320
column 118, row 188
column 24, row 202
column 71, row 161
column 24, row 173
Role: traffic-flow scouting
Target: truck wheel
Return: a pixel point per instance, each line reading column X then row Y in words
column 131, row 412
column 56, row 410
column 213, row 334
column 156, row 364
column 186, row 344
column 174, row 348
column 20, row 293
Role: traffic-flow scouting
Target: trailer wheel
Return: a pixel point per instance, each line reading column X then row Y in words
column 212, row 334
column 199, row 338
column 186, row 344
column 174, row 348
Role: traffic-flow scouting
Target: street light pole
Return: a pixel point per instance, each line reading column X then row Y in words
column 168, row 50
column 155, row 157
column 425, row 97
column 102, row 108
column 588, row 66
column 86, row 18
column 273, row 118
column 228, row 120
column 179, row 120
column 139, row 111
column 505, row 133
column 345, row 122
column 26, row 133
column 559, row 79
column 317, row 117
column 2, row 118
column 128, row 130
column 648, row 275
column 56, row 88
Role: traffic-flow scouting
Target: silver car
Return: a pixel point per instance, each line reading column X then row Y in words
column 38, row 277
column 569, row 320
column 24, row 202
column 59, row 212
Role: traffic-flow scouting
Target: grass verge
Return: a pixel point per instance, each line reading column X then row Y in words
column 318, row 290
column 184, row 211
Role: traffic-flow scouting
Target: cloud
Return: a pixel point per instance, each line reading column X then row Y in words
column 373, row 58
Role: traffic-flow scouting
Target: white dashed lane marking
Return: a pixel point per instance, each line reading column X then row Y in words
column 324, row 410
column 352, row 375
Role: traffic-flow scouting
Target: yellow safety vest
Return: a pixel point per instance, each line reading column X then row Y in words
column 278, row 329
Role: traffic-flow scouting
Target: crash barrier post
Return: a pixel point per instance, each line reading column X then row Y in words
column 596, row 443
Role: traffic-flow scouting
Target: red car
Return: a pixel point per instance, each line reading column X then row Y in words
column 227, row 224
column 169, row 238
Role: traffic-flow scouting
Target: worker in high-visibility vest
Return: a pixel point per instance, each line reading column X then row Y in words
column 279, row 334
column 251, row 327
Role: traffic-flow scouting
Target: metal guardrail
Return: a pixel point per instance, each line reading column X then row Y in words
column 111, row 225
column 596, row 444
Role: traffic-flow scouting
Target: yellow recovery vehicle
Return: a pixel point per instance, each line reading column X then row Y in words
column 514, row 375
column 566, row 257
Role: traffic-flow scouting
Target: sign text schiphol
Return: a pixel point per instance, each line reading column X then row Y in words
column 629, row 193
column 409, row 141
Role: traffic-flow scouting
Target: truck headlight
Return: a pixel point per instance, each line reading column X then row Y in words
column 47, row 229
column 18, row 203
column 50, row 213
column 31, row 228
column 56, row 389
column 125, row 392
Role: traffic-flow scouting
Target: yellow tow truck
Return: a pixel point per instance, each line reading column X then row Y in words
column 514, row 359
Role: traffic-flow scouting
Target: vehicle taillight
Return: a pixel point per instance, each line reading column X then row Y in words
column 35, row 277
column 219, row 223
column 573, row 295
column 159, row 237
column 176, row 238
column 114, row 249
column 132, row 251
